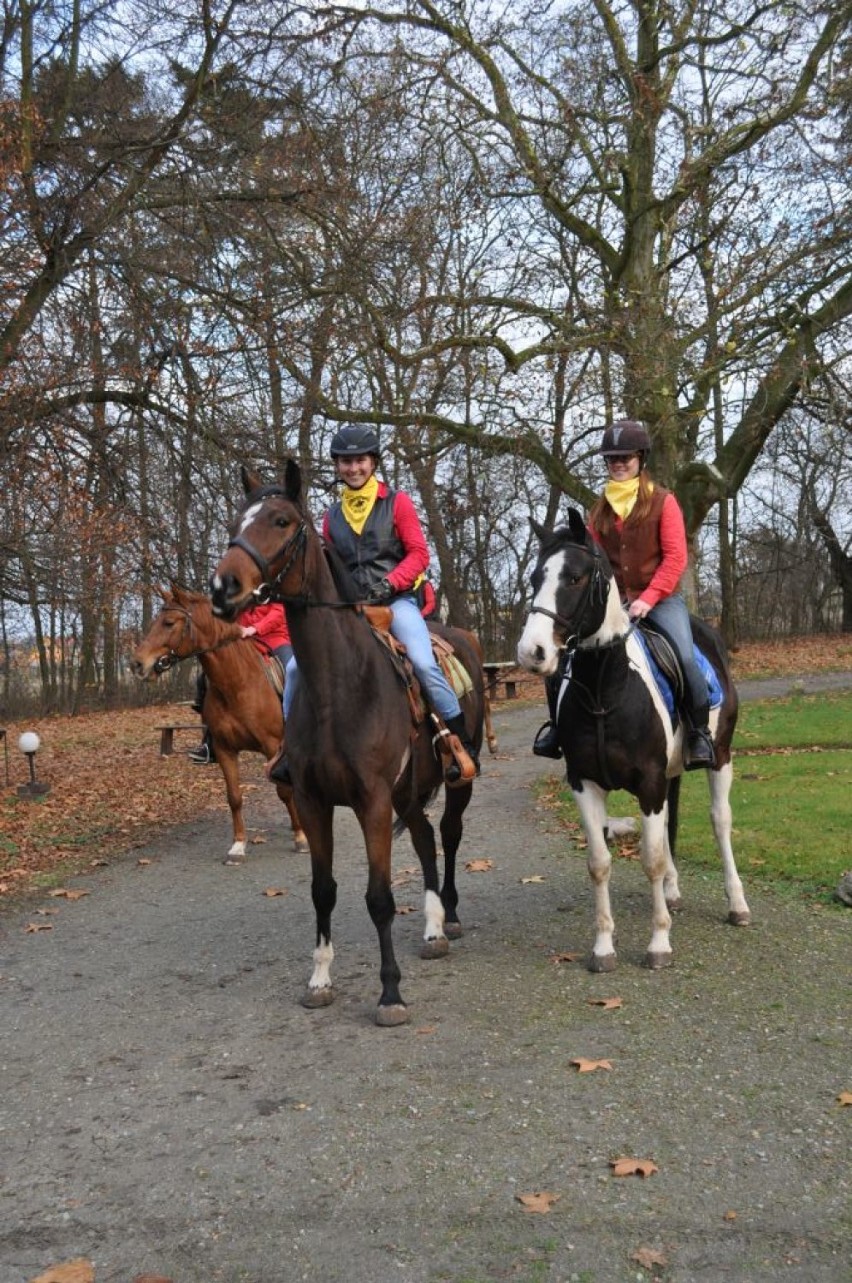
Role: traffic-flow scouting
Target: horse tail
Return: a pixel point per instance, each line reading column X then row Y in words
column 674, row 808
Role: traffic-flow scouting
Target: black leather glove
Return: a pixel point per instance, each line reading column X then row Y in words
column 381, row 592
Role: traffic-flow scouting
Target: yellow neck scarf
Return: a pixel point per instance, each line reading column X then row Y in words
column 357, row 505
column 621, row 496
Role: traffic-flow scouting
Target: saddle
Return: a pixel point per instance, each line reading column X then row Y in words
column 667, row 672
column 444, row 741
column 274, row 673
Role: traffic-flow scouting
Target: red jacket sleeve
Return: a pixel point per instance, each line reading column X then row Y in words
column 666, row 577
column 269, row 622
column 413, row 540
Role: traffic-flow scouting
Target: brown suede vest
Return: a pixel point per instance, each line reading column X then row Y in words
column 635, row 551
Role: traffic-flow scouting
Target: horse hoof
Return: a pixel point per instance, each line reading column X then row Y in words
column 233, row 861
column 437, row 948
column 675, row 906
column 657, row 961
column 453, row 930
column 739, row 919
column 314, row 998
column 389, row 1017
column 300, row 846
column 598, row 963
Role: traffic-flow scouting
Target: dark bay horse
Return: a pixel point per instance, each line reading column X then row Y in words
column 615, row 729
column 242, row 709
column 352, row 739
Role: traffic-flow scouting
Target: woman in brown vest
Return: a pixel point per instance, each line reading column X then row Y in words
column 640, row 527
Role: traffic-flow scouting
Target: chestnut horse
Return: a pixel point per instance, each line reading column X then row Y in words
column 615, row 729
column 242, row 709
column 355, row 736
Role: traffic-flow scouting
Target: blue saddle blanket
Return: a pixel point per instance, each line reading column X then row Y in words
column 714, row 690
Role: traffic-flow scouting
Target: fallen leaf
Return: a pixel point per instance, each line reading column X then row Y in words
column 67, row 895
column 258, row 840
column 77, row 1271
column 608, row 1004
column 479, row 866
column 46, row 913
column 32, row 927
column 585, row 1066
column 403, row 909
column 426, row 1029
column 270, row 891
column 648, row 1257
column 565, row 957
column 540, row 1202
column 536, row 877
column 845, row 1098
column 152, row 1278
column 143, row 861
column 633, row 1167
column 729, row 1216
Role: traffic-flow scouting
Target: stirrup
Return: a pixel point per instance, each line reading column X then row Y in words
column 698, row 752
column 546, row 742
column 460, row 762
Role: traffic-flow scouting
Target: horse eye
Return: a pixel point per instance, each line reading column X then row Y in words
column 282, row 521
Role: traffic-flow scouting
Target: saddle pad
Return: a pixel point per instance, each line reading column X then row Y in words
column 714, row 690
column 454, row 671
column 274, row 673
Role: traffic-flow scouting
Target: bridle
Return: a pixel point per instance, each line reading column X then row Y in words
column 269, row 588
column 165, row 662
column 595, row 594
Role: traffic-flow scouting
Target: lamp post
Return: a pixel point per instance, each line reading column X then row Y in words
column 29, row 744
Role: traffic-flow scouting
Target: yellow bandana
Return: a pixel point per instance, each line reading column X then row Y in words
column 621, row 496
column 356, row 505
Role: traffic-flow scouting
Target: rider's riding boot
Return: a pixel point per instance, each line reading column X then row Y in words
column 698, row 749
column 455, row 725
column 203, row 755
column 278, row 769
column 200, row 691
column 546, row 742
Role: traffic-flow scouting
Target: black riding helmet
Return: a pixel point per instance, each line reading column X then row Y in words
column 353, row 439
column 626, row 436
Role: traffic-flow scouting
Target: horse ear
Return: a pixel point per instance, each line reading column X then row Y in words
column 293, row 481
column 541, row 532
column 164, row 592
column 577, row 526
column 251, row 481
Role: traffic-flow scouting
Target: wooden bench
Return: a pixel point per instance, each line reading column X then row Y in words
column 493, row 672
column 167, row 734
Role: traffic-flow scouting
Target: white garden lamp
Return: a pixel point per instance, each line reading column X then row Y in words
column 29, row 744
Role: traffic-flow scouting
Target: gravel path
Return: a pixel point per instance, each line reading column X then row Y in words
column 168, row 1108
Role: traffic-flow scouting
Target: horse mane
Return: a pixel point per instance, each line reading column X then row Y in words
column 343, row 581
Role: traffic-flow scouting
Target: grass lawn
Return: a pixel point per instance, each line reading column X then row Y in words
column 790, row 797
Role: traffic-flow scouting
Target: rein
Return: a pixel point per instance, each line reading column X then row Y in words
column 269, row 589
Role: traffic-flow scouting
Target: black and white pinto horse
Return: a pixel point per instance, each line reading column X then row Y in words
column 615, row 729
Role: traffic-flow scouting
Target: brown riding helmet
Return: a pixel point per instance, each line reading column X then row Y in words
column 626, row 436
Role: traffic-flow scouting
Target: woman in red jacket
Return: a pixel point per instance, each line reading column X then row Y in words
column 640, row 527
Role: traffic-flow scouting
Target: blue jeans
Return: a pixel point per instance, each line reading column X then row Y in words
column 409, row 628
column 671, row 618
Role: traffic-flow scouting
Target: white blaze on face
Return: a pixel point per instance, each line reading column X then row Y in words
column 248, row 517
column 537, row 650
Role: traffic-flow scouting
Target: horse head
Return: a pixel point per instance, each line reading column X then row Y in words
column 172, row 634
column 571, row 586
column 267, row 536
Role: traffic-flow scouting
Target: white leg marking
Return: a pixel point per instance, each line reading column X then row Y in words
column 591, row 803
column 722, row 819
column 433, row 911
column 656, row 860
column 237, row 851
column 323, row 958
